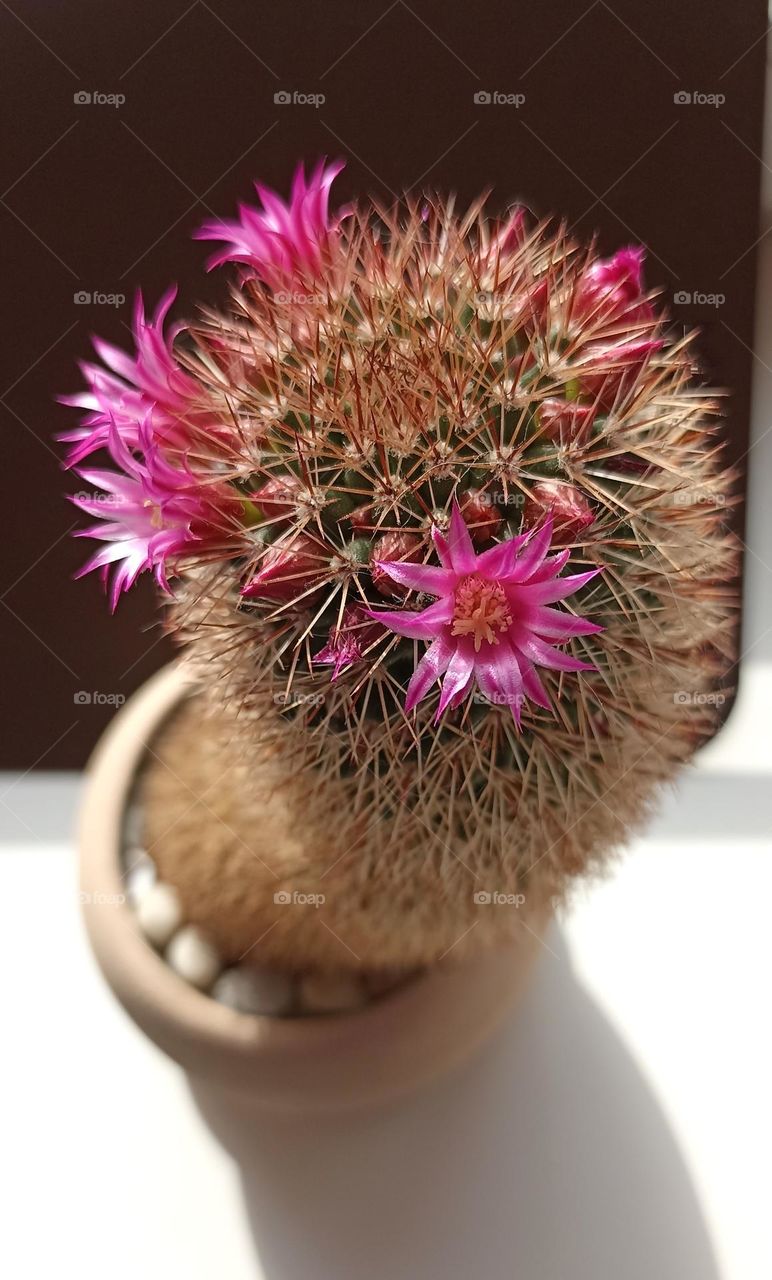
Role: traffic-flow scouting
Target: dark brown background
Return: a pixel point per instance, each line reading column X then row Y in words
column 99, row 198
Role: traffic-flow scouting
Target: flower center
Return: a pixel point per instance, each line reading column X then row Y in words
column 481, row 611
column 156, row 516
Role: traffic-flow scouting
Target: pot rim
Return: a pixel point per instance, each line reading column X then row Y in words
column 381, row 1048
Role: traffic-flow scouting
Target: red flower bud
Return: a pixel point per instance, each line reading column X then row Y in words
column 288, row 569
column 511, row 233
column 399, row 545
column 278, row 496
column 562, row 420
column 537, row 301
column 481, row 515
column 362, row 519
column 606, row 372
column 569, row 509
column 611, row 288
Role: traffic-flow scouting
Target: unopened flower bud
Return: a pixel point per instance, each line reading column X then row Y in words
column 398, row 545
column 569, row 509
column 287, row 570
column 481, row 515
column 611, row 288
column 278, row 496
column 564, row 420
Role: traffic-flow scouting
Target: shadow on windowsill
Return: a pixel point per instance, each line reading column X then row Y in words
column 547, row 1158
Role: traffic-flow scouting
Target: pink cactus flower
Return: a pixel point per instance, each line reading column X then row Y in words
column 611, row 288
column 281, row 242
column 346, row 644
column 152, row 512
column 150, row 385
column 491, row 624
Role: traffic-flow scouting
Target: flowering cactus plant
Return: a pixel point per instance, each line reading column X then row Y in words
column 438, row 508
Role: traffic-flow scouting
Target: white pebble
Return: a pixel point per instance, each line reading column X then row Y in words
column 140, row 874
column 259, row 991
column 193, row 957
column 159, row 914
column 331, row 993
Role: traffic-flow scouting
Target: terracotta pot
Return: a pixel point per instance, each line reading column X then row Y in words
column 373, row 1054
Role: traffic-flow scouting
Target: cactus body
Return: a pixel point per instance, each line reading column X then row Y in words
column 425, row 366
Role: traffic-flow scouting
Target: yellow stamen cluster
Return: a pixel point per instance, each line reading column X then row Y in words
column 481, row 611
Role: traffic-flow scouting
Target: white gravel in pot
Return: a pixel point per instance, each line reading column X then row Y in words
column 191, row 955
column 256, row 991
column 245, row 988
column 159, row 914
column 140, row 875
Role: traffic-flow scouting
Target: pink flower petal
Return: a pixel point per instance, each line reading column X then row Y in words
column 460, row 548
column 545, row 655
column 556, row 589
column 457, row 676
column 510, row 679
column 535, row 552
column 499, row 561
column 115, row 359
column 462, row 693
column 432, row 665
column 419, row 577
column 416, row 626
column 442, row 548
column 533, row 685
column 550, row 567
column 498, row 676
column 554, row 624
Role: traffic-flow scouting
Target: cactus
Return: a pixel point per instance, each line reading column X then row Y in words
column 440, row 507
